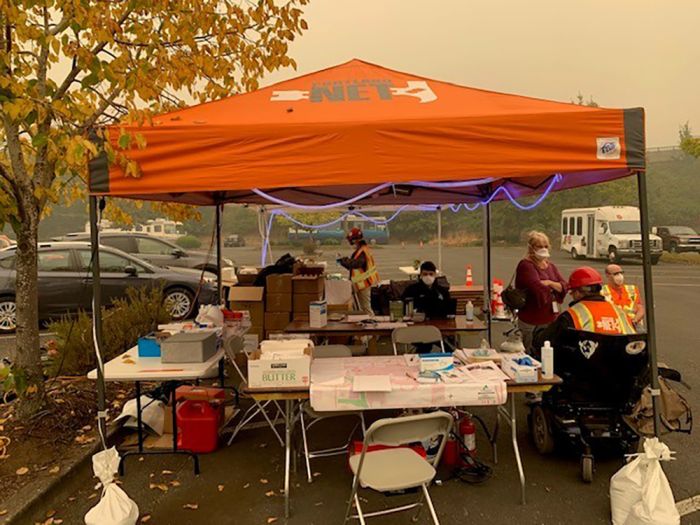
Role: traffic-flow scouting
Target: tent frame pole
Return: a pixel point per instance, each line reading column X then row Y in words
column 486, row 249
column 97, row 313
column 219, row 250
column 649, row 297
column 439, row 232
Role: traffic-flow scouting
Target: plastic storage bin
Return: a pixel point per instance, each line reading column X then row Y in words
column 198, row 426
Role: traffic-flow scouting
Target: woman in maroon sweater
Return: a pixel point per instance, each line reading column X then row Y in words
column 544, row 286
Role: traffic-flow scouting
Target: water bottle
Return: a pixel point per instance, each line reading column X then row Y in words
column 547, row 361
column 470, row 311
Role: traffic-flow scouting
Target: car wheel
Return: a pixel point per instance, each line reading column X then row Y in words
column 673, row 248
column 655, row 259
column 179, row 302
column 8, row 315
column 574, row 253
column 587, row 468
column 612, row 255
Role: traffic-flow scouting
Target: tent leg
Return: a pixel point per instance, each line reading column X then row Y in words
column 487, row 268
column 439, row 232
column 649, row 296
column 97, row 317
column 219, row 249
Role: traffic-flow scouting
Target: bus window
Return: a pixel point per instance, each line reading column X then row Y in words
column 564, row 226
column 572, row 230
column 579, row 226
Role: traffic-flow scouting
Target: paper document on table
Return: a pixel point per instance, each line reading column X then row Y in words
column 379, row 383
column 357, row 318
column 486, row 371
column 391, row 326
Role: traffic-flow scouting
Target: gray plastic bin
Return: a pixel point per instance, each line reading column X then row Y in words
column 188, row 347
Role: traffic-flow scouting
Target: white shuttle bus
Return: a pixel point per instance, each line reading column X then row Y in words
column 607, row 232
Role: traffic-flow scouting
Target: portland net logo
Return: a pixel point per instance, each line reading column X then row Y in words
column 357, row 91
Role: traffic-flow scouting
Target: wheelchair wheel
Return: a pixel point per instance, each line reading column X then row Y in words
column 587, row 468
column 541, row 430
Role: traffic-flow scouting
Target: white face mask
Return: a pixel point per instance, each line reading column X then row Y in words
column 428, row 280
column 542, row 253
column 618, row 279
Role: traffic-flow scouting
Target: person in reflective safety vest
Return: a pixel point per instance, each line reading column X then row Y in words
column 363, row 270
column 589, row 311
column 626, row 296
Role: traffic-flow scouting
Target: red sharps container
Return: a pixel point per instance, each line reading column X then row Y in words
column 197, row 426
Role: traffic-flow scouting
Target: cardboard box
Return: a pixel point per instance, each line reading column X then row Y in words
column 308, row 284
column 248, row 298
column 301, row 302
column 246, row 275
column 292, row 372
column 318, row 314
column 278, row 302
column 279, row 283
column 276, row 321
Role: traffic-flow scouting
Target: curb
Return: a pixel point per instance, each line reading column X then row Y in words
column 20, row 512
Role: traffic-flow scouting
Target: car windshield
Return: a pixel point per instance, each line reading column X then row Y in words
column 681, row 230
column 622, row 227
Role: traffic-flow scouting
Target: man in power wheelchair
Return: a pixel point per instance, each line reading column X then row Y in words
column 604, row 367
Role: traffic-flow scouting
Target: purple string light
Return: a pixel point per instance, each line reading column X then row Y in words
column 423, row 207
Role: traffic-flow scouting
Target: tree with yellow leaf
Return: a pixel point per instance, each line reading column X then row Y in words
column 70, row 66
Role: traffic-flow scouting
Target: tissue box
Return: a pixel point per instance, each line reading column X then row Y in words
column 318, row 314
column 436, row 362
column 289, row 372
column 520, row 373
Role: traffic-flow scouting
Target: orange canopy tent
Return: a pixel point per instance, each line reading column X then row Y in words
column 361, row 134
column 340, row 132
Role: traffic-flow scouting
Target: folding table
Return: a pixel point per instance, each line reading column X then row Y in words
column 129, row 367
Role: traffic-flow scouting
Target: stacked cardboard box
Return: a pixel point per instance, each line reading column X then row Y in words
column 305, row 290
column 278, row 302
column 249, row 298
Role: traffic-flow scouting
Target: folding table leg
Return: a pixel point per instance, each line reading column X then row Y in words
column 516, row 448
column 287, row 452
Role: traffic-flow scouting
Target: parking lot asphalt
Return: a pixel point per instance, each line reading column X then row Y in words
column 241, row 484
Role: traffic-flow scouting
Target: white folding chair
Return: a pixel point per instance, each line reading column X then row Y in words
column 233, row 346
column 396, row 469
column 310, row 417
column 408, row 336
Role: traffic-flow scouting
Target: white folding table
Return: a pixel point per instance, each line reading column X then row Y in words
column 129, row 367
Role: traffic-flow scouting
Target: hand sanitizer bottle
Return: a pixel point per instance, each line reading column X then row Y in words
column 547, row 361
column 470, row 311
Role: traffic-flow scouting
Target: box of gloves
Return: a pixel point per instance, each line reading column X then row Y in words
column 520, row 367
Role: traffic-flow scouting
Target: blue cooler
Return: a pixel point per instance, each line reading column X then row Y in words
column 149, row 345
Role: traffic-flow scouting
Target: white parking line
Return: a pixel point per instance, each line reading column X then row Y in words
column 688, row 506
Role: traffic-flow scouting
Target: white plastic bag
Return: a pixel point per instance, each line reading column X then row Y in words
column 114, row 507
column 639, row 491
column 210, row 315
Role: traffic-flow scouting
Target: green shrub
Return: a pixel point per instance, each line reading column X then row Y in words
column 138, row 314
column 331, row 242
column 309, row 248
column 188, row 242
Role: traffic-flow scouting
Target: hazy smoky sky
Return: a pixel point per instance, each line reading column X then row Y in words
column 624, row 53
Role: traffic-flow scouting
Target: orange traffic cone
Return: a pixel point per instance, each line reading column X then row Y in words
column 470, row 281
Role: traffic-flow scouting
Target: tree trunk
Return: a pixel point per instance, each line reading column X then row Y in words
column 27, row 358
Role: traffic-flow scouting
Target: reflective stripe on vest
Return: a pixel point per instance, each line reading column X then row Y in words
column 627, row 300
column 369, row 277
column 600, row 317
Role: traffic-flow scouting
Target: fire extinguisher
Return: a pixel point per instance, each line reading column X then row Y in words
column 467, row 433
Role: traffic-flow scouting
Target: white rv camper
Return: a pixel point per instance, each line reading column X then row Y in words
column 607, row 232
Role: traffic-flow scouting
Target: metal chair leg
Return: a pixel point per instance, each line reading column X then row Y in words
column 360, row 516
column 353, row 492
column 430, row 504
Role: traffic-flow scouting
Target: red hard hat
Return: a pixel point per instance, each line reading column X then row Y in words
column 355, row 234
column 584, row 276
